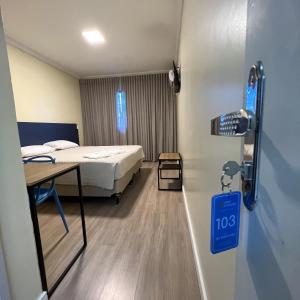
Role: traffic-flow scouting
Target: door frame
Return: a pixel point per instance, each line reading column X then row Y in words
column 4, row 285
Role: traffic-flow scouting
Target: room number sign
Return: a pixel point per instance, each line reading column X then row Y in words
column 225, row 221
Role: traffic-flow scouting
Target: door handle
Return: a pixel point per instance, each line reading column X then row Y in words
column 237, row 123
column 245, row 123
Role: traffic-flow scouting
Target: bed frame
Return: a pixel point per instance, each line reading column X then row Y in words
column 34, row 133
column 94, row 191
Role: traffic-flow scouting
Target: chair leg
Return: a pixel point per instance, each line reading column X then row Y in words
column 60, row 210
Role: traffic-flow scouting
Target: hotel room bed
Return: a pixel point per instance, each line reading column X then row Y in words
column 105, row 176
column 101, row 177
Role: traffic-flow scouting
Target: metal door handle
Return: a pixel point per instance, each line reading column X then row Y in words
column 237, row 124
column 245, row 123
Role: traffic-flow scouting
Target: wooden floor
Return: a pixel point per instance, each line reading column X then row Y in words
column 140, row 249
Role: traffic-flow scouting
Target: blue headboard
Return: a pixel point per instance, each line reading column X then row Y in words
column 39, row 133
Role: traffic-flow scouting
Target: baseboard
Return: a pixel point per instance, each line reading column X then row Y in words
column 195, row 250
column 42, row 296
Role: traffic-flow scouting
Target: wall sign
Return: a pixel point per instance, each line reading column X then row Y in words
column 225, row 221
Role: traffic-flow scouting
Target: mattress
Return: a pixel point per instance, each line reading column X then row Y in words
column 100, row 172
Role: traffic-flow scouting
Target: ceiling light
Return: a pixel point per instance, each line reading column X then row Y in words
column 93, row 37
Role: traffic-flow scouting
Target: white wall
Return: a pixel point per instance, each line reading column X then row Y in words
column 212, row 59
column 15, row 222
column 43, row 93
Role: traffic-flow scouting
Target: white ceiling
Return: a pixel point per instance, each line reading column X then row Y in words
column 141, row 35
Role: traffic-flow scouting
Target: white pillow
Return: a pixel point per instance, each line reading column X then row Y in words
column 36, row 150
column 61, row 144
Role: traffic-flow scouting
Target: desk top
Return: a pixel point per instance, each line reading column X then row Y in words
column 35, row 172
column 169, row 156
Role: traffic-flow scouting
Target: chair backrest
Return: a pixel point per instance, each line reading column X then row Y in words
column 41, row 159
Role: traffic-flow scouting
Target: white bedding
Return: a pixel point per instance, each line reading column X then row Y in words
column 103, row 153
column 100, row 172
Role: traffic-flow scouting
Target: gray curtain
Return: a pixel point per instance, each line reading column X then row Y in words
column 151, row 113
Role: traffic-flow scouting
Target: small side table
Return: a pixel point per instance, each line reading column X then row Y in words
column 169, row 161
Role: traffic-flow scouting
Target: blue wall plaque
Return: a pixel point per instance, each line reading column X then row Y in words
column 225, row 221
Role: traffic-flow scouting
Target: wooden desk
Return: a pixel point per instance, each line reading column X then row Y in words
column 35, row 175
column 168, row 161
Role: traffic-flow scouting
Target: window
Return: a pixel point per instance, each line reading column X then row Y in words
column 121, row 111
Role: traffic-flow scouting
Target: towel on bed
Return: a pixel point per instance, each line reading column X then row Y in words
column 103, row 153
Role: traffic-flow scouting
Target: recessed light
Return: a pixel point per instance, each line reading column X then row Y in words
column 93, row 37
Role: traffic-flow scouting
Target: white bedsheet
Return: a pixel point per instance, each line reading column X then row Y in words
column 100, row 172
column 103, row 153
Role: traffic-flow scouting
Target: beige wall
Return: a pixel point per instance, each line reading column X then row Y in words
column 43, row 93
column 212, row 60
column 16, row 232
